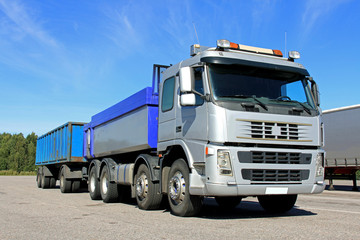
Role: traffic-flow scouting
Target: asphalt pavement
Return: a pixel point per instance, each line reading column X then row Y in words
column 27, row 212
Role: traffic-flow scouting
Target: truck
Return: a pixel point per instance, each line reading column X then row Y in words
column 342, row 144
column 230, row 122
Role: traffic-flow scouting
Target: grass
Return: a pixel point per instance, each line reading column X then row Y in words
column 15, row 173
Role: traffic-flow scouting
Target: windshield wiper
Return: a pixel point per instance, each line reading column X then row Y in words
column 248, row 96
column 300, row 103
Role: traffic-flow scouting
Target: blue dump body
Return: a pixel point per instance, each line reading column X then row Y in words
column 130, row 125
column 63, row 144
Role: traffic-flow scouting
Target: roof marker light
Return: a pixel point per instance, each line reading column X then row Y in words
column 223, row 43
column 294, row 55
column 226, row 44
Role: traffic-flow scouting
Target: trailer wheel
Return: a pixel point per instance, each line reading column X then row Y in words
column 108, row 190
column 148, row 196
column 75, row 186
column 52, row 182
column 65, row 185
column 180, row 200
column 38, row 177
column 228, row 203
column 45, row 181
column 94, row 185
column 277, row 203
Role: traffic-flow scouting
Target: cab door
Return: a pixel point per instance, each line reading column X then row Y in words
column 167, row 110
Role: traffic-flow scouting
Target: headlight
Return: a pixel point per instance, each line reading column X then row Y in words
column 319, row 165
column 224, row 162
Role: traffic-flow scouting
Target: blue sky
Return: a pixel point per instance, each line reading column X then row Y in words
column 67, row 60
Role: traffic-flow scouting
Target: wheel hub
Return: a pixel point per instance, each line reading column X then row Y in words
column 92, row 183
column 177, row 188
column 142, row 186
column 104, row 185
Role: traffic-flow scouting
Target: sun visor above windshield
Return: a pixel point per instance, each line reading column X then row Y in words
column 233, row 61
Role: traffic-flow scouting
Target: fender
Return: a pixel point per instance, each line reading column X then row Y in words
column 95, row 163
column 110, row 164
column 152, row 163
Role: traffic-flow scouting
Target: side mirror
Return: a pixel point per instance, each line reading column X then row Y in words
column 187, row 79
column 187, row 99
column 315, row 91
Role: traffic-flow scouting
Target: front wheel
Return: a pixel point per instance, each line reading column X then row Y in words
column 277, row 203
column 108, row 190
column 180, row 200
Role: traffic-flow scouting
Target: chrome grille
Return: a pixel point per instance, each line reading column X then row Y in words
column 275, row 176
column 273, row 130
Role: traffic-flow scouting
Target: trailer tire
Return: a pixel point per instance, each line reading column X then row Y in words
column 180, row 201
column 148, row 196
column 108, row 190
column 38, row 177
column 45, row 181
column 75, row 186
column 94, row 185
column 277, row 203
column 65, row 185
column 52, row 182
column 228, row 203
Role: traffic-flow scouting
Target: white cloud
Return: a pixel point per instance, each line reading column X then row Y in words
column 20, row 20
column 315, row 10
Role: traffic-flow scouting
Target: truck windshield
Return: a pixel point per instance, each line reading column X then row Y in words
column 259, row 85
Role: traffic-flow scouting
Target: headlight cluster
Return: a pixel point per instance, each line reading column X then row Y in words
column 320, row 165
column 224, row 162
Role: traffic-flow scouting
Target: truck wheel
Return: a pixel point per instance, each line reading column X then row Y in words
column 277, row 203
column 45, row 181
column 52, row 182
column 75, row 186
column 180, row 200
column 228, row 203
column 147, row 193
column 108, row 190
column 38, row 177
column 65, row 185
column 94, row 185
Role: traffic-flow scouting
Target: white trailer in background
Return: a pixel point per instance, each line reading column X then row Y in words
column 342, row 143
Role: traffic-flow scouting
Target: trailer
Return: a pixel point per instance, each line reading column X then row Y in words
column 60, row 155
column 230, row 122
column 342, row 144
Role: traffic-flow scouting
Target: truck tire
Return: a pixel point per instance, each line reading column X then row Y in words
column 228, row 203
column 277, row 203
column 75, row 186
column 65, row 185
column 180, row 201
column 38, row 177
column 52, row 182
column 45, row 181
column 108, row 190
column 94, row 185
column 148, row 196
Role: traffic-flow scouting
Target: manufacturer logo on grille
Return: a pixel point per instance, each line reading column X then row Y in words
column 276, row 130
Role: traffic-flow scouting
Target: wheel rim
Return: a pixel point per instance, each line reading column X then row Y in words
column 62, row 181
column 104, row 184
column 142, row 186
column 177, row 188
column 92, row 183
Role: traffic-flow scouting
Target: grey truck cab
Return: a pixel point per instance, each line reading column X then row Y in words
column 239, row 121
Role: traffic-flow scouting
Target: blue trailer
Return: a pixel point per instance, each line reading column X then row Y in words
column 229, row 122
column 57, row 149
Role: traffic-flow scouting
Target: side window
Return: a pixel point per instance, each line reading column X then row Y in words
column 167, row 101
column 199, row 87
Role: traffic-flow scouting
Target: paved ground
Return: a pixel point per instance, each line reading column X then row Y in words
column 27, row 212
